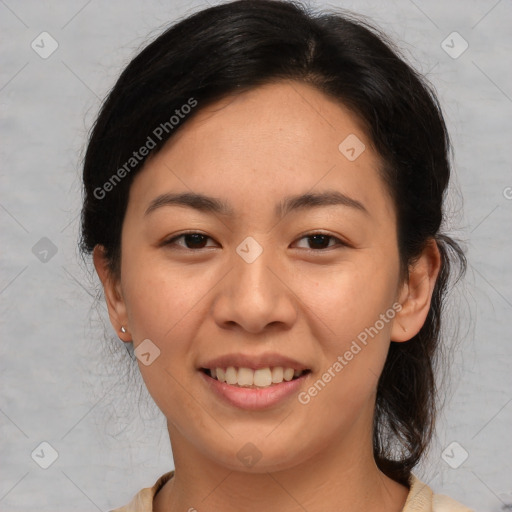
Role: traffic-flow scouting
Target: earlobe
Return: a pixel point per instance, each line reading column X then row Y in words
column 113, row 296
column 416, row 294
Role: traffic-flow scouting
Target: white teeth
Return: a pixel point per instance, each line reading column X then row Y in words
column 277, row 374
column 231, row 375
column 288, row 373
column 261, row 378
column 245, row 377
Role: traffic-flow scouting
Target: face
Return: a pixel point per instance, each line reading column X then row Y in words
column 291, row 261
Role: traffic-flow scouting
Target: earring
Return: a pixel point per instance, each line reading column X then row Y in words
column 123, row 329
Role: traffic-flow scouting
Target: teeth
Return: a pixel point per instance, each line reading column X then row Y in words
column 288, row 373
column 231, row 375
column 245, row 377
column 261, row 378
column 277, row 374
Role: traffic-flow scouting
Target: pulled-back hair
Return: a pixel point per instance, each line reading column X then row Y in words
column 237, row 46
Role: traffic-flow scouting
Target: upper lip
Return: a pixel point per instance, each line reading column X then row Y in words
column 253, row 361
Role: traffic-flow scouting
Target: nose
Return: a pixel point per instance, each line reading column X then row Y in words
column 255, row 296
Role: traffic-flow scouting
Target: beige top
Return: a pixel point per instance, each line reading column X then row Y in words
column 420, row 498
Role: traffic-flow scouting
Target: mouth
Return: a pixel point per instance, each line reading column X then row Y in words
column 255, row 389
column 254, row 378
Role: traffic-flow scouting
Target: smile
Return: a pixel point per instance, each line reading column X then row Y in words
column 246, row 391
column 249, row 378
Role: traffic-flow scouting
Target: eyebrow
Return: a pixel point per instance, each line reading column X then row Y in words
column 214, row 205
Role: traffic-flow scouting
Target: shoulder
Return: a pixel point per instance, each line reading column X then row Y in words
column 143, row 500
column 421, row 498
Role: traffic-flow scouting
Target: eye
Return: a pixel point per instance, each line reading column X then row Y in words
column 319, row 241
column 191, row 240
column 194, row 240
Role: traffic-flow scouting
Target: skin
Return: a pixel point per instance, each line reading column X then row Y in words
column 253, row 150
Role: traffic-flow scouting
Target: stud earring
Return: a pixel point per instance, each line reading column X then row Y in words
column 123, row 329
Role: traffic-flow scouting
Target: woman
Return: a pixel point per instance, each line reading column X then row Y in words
column 263, row 202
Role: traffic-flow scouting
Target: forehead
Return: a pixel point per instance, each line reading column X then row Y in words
column 255, row 147
column 273, row 119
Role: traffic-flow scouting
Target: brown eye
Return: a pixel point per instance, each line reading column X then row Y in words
column 195, row 241
column 190, row 241
column 319, row 241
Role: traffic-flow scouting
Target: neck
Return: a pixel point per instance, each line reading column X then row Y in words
column 346, row 474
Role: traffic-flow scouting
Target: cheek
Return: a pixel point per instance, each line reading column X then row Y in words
column 159, row 297
column 352, row 312
column 346, row 300
column 164, row 306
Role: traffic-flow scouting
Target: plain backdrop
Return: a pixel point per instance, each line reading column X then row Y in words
column 62, row 384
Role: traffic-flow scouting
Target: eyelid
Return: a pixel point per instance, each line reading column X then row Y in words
column 172, row 239
column 340, row 241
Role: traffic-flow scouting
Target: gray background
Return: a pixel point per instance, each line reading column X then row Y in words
column 61, row 383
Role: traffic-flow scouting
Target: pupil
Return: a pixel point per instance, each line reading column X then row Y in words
column 319, row 238
column 196, row 239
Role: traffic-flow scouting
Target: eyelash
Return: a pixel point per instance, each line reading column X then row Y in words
column 308, row 235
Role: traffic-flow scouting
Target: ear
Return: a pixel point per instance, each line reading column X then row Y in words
column 416, row 293
column 113, row 295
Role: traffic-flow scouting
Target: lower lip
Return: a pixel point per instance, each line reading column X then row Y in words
column 254, row 399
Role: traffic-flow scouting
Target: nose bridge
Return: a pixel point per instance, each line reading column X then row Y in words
column 251, row 261
column 254, row 278
column 252, row 296
column 253, row 281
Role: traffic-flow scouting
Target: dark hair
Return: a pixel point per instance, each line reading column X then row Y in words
column 236, row 46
